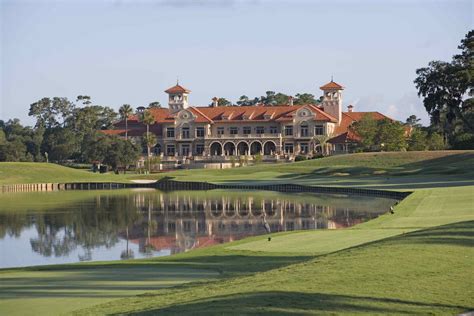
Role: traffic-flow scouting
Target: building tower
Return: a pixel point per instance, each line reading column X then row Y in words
column 332, row 99
column 178, row 98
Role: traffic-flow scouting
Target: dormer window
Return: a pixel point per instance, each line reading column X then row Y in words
column 268, row 116
column 245, row 116
column 226, row 116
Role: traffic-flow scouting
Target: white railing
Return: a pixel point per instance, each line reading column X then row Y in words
column 244, row 136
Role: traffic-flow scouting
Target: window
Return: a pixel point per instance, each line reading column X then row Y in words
column 289, row 130
column 185, row 150
column 233, row 130
column 220, row 131
column 319, row 130
column 185, row 132
column 187, row 226
column 289, row 148
column 170, row 132
column 247, row 130
column 304, row 148
column 304, row 130
column 259, row 130
column 199, row 131
column 273, row 130
column 170, row 150
column 199, row 149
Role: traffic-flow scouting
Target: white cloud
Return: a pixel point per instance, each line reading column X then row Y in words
column 408, row 104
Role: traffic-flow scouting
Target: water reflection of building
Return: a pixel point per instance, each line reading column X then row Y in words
column 183, row 223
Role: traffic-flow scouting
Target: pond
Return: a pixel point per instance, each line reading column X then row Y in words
column 41, row 228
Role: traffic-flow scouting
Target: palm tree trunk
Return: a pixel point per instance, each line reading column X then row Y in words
column 148, row 147
column 126, row 129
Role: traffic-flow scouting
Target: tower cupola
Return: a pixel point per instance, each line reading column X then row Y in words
column 332, row 99
column 178, row 98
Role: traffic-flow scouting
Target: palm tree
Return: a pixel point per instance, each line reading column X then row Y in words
column 148, row 119
column 322, row 140
column 125, row 111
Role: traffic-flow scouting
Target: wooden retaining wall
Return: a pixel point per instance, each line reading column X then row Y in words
column 30, row 187
column 169, row 185
column 34, row 187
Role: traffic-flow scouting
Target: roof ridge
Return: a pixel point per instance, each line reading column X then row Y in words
column 205, row 116
column 322, row 112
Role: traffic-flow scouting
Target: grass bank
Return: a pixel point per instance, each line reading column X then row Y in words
column 390, row 170
column 416, row 261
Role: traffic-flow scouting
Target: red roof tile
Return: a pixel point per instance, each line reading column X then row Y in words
column 331, row 85
column 258, row 113
column 177, row 89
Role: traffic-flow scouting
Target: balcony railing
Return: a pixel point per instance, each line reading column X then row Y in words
column 234, row 136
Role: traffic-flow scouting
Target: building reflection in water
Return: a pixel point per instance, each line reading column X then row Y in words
column 108, row 225
column 180, row 222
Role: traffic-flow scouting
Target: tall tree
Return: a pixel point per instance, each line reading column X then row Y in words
column 390, row 136
column 125, row 111
column 51, row 112
column 447, row 88
column 154, row 105
column 413, row 121
column 304, row 98
column 148, row 119
column 244, row 101
column 366, row 128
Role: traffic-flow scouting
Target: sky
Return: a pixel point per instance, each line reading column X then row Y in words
column 126, row 51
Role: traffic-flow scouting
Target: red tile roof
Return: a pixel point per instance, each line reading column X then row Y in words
column 331, row 85
column 120, row 132
column 257, row 113
column 177, row 89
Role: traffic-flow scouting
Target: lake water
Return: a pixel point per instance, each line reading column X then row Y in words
column 42, row 228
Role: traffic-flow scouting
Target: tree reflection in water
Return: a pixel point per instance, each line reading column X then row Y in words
column 177, row 221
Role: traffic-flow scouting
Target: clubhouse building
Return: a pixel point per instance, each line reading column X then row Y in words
column 207, row 135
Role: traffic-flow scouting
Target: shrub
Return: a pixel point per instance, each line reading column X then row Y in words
column 463, row 141
column 300, row 158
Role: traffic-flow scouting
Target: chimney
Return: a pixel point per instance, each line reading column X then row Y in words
column 215, row 101
column 290, row 100
column 350, row 108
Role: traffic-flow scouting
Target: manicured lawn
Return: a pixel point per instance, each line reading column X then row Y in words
column 423, row 272
column 416, row 261
column 390, row 170
column 37, row 172
column 54, row 292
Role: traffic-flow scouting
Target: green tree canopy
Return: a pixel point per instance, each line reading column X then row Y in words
column 447, row 90
column 154, row 105
column 304, row 98
column 51, row 112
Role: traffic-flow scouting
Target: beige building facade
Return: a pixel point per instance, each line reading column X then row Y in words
column 209, row 135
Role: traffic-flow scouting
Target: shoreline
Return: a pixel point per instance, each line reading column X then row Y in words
column 172, row 185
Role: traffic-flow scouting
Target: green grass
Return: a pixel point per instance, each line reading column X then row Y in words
column 416, row 261
column 424, row 272
column 389, row 170
column 37, row 172
column 24, row 292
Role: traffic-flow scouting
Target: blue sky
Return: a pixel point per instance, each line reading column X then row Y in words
column 130, row 51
